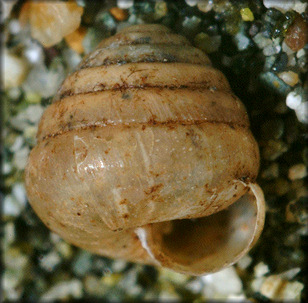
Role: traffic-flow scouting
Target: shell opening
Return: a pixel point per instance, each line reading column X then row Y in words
column 208, row 244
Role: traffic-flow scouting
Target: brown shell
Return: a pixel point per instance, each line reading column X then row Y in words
column 143, row 154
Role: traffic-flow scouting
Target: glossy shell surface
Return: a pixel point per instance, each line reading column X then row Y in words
column 145, row 154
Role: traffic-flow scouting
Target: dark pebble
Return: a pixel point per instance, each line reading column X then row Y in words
column 281, row 62
column 272, row 15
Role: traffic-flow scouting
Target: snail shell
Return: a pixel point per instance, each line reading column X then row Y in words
column 145, row 154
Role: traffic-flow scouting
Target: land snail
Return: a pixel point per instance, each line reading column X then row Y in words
column 145, row 154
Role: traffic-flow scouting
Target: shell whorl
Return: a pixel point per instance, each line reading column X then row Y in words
column 144, row 131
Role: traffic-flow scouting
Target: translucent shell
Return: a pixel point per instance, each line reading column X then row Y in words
column 146, row 155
